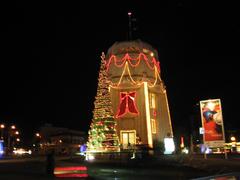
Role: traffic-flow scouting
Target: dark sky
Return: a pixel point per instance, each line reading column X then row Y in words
column 50, row 54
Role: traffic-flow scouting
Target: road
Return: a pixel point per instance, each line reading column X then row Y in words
column 158, row 168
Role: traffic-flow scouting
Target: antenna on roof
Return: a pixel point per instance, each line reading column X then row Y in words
column 129, row 25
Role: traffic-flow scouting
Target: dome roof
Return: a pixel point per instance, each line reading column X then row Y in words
column 136, row 46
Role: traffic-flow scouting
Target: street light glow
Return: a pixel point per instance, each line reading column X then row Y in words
column 13, row 127
column 2, row 126
column 233, row 138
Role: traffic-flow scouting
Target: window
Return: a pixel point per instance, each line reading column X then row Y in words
column 152, row 100
column 154, row 131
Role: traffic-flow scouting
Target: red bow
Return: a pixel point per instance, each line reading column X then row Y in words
column 127, row 104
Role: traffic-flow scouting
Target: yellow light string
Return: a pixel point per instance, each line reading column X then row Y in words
column 162, row 88
column 156, row 76
column 122, row 74
column 126, row 67
column 150, row 85
column 130, row 74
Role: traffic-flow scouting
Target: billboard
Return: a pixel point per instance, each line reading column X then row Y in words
column 212, row 122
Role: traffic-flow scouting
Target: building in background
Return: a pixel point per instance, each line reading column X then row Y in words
column 61, row 140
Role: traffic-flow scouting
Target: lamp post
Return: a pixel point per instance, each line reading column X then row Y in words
column 37, row 141
column 11, row 132
column 233, row 143
column 129, row 26
column 2, row 126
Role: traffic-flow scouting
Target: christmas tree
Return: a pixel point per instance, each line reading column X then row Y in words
column 102, row 133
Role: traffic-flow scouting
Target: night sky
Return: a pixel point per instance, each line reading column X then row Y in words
column 50, row 55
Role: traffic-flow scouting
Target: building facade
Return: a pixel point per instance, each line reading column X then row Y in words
column 138, row 94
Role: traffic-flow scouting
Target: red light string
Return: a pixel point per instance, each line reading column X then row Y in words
column 120, row 62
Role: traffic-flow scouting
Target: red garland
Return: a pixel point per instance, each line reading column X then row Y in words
column 141, row 56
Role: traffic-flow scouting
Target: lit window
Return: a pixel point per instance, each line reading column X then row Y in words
column 152, row 100
column 154, row 131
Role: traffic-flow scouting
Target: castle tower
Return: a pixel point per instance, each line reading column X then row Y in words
column 138, row 94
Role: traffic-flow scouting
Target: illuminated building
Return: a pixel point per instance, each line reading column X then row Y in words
column 138, row 94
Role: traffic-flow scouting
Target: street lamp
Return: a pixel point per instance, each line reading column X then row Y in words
column 37, row 142
column 233, row 139
column 38, row 135
column 2, row 126
column 11, row 132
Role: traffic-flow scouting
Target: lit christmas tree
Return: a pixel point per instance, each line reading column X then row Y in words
column 102, row 133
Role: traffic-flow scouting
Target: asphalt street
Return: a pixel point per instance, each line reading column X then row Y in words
column 152, row 168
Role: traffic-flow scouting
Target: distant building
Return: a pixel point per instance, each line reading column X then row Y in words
column 61, row 140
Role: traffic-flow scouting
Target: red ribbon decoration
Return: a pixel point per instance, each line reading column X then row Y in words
column 127, row 104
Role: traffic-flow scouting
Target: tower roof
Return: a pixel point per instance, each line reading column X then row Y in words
column 135, row 46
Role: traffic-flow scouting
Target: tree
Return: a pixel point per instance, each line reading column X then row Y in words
column 102, row 133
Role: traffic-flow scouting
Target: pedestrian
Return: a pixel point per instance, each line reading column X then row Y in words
column 50, row 163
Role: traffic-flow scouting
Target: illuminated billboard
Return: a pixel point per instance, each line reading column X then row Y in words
column 212, row 122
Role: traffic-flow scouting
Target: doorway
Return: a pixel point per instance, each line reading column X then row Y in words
column 128, row 137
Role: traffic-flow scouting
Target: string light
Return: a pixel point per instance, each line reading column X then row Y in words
column 120, row 62
column 149, row 84
column 126, row 60
column 101, row 136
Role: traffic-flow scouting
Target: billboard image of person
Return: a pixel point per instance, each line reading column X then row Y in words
column 212, row 122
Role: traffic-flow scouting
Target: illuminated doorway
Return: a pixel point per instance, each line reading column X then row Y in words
column 128, row 138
